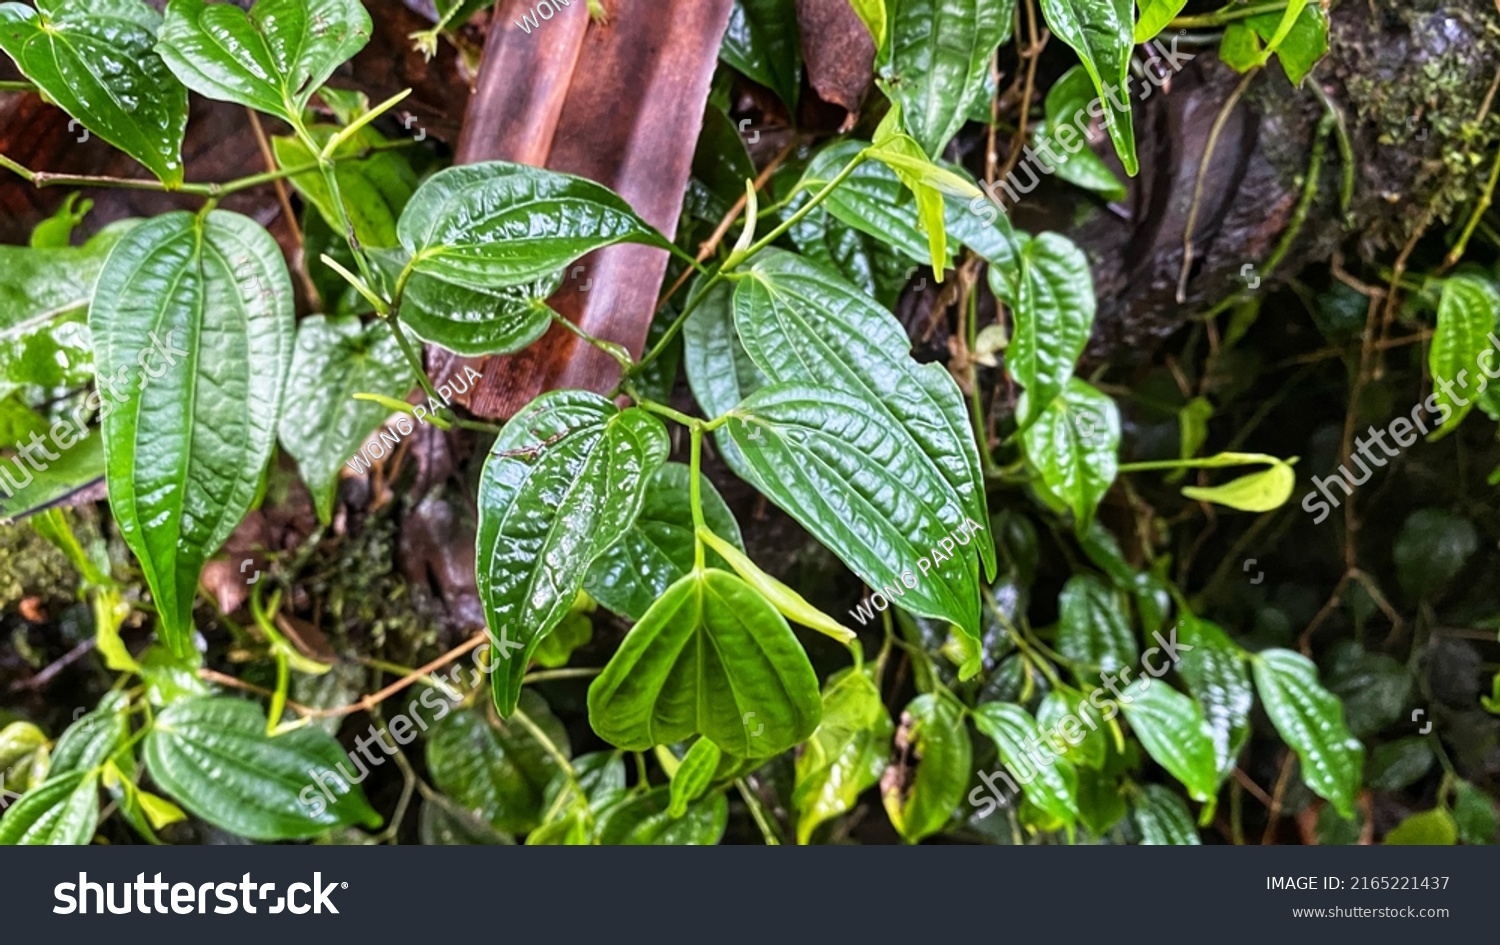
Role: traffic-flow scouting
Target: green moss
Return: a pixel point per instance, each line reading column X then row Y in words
column 31, row 567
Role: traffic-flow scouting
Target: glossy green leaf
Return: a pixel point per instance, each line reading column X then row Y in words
column 721, row 165
column 873, row 14
column 832, row 462
column 78, row 467
column 691, row 779
column 495, row 769
column 1263, row 491
column 934, row 760
column 476, row 322
column 1468, row 311
column 938, row 61
column 1173, row 731
column 1153, row 17
column 1215, row 673
column 1474, row 815
column 763, row 43
column 1085, row 740
column 1429, row 828
column 1163, row 819
column 271, row 59
column 872, row 199
column 564, row 480
column 1101, row 801
column 846, row 755
column 1374, row 687
column 1093, row 626
column 644, row 819
column 1065, row 137
column 719, row 372
column 1100, row 31
column 24, row 759
column 1432, row 549
column 1310, row 720
column 657, row 551
column 710, row 657
column 1297, row 35
column 801, row 323
column 64, row 811
column 1073, row 445
column 213, row 757
column 94, row 58
column 211, row 301
column 375, row 188
column 338, row 357
column 1050, row 787
column 89, row 742
column 499, row 224
column 1052, row 295
column 792, row 606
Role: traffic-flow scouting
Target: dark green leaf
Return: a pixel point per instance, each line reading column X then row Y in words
column 213, row 757
column 764, row 44
column 721, row 165
column 565, row 479
column 1067, row 139
column 477, row 322
column 644, row 819
column 1049, row 786
column 719, row 372
column 1374, row 687
column 1433, row 547
column 210, row 298
column 64, row 811
column 710, row 657
column 1173, row 732
column 846, row 755
column 1397, row 765
column 1311, row 721
column 94, row 58
column 1474, row 814
column 932, row 769
column 1214, row 670
column 1163, row 819
column 496, row 770
column 1073, row 445
column 1101, row 32
column 89, row 742
column 1093, row 626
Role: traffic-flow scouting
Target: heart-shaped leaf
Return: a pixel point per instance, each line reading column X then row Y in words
column 500, row 224
column 94, row 58
column 1163, row 819
column 710, row 657
column 209, row 298
column 639, row 819
column 846, row 755
column 477, row 322
column 719, row 372
column 63, row 811
column 763, row 43
column 1311, row 720
column 1215, row 674
column 1093, row 626
column 1074, row 444
column 271, row 59
column 1172, row 730
column 564, row 480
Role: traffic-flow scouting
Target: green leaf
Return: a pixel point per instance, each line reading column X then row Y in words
column 64, row 811
column 375, row 189
column 496, row 770
column 1163, row 819
column 23, row 757
column 800, row 322
column 497, row 224
column 793, row 606
column 1093, row 626
column 564, row 480
column 78, row 467
column 1067, row 103
column 763, row 43
column 710, row 657
column 719, row 372
column 1375, row 688
column 1467, row 312
column 1050, row 787
column 645, row 819
column 938, row 61
column 186, row 450
column 1100, row 31
column 1264, row 491
column 691, row 779
column 1432, row 549
column 1429, row 828
column 1101, row 801
column 1073, row 446
column 89, row 742
column 658, row 549
column 213, row 757
column 1153, row 17
column 934, row 764
column 1092, row 747
column 872, row 14
column 477, row 322
column 861, row 488
column 872, row 199
column 1474, row 815
column 721, row 165
column 338, row 357
column 1311, row 721
column 1052, row 295
column 1173, row 731
column 94, row 59
column 846, row 755
column 271, row 59
column 1214, row 670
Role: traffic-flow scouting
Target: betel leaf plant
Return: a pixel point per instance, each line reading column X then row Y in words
column 803, row 382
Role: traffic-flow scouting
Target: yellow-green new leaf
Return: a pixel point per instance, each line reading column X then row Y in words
column 792, row 605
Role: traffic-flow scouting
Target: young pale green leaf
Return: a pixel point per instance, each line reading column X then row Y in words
column 710, row 657
column 498, row 224
column 846, row 755
column 23, row 747
column 565, row 479
column 1214, row 670
column 497, row 770
column 933, row 768
column 1173, row 731
column 375, row 188
column 1153, row 17
column 1052, row 295
column 63, row 811
column 873, row 14
column 1100, row 31
column 193, row 315
column 1051, row 786
column 1263, row 491
column 764, row 44
column 927, row 184
column 831, row 461
column 1094, row 626
column 691, row 779
column 801, row 323
column 1468, row 311
column 94, row 58
column 272, row 58
column 213, row 757
column 938, row 61
column 477, row 322
column 872, row 199
column 1428, row 828
column 658, row 550
column 639, row 819
column 1297, row 35
column 1073, row 446
column 792, row 605
column 1311, row 720
column 1163, row 819
column 339, row 357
